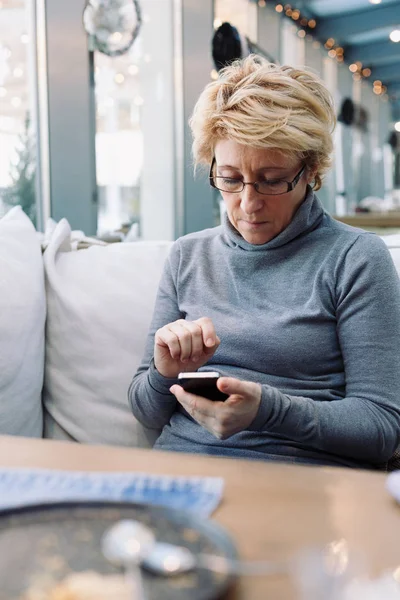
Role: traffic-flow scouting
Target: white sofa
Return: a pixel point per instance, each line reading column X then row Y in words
column 73, row 324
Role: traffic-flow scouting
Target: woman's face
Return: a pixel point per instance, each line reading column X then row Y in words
column 257, row 217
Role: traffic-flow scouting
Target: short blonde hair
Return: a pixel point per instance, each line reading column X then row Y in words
column 260, row 104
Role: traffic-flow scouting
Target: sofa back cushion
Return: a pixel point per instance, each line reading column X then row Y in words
column 22, row 321
column 99, row 304
column 393, row 243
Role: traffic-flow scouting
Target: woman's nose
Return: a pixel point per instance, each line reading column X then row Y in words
column 251, row 200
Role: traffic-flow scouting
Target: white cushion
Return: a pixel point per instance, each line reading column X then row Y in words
column 22, row 323
column 393, row 243
column 395, row 253
column 99, row 303
column 392, row 240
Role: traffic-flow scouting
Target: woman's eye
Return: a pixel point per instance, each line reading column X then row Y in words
column 230, row 180
column 272, row 182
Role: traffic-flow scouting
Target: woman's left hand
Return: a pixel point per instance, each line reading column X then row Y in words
column 223, row 419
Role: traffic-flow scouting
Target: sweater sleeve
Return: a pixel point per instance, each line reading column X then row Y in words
column 151, row 401
column 365, row 424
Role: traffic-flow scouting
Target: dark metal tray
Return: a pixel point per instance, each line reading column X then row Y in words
column 53, row 540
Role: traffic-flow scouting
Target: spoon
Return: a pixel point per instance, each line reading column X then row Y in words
column 168, row 559
column 125, row 544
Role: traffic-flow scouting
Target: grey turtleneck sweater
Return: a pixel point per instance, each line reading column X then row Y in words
column 312, row 315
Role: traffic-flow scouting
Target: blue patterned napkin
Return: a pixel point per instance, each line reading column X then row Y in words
column 20, row 487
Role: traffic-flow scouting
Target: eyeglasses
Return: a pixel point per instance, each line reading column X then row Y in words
column 267, row 187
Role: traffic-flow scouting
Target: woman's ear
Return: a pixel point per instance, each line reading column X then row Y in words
column 311, row 173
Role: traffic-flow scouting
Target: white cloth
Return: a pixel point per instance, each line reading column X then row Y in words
column 99, row 302
column 22, row 324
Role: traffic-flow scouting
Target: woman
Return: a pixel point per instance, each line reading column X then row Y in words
column 298, row 312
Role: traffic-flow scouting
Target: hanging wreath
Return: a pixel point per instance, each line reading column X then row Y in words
column 112, row 25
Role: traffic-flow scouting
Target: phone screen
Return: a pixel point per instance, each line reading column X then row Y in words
column 202, row 384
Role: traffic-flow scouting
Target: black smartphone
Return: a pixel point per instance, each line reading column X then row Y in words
column 202, row 383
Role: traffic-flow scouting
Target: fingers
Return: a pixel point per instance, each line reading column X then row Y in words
column 238, row 388
column 210, row 338
column 200, row 409
column 223, row 419
column 188, row 340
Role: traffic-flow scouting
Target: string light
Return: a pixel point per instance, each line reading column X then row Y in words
column 133, row 69
column 397, row 128
column 16, row 102
column 301, row 33
column 279, row 8
column 261, row 3
column 366, row 72
column 353, row 67
column 395, row 35
column 329, row 43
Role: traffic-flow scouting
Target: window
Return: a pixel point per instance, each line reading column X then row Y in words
column 135, row 152
column 17, row 101
column 242, row 14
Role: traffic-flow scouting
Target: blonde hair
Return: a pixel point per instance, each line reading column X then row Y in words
column 260, row 104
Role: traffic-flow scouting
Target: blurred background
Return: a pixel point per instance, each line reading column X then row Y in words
column 95, row 97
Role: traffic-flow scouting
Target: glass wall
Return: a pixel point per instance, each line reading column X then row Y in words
column 242, row 14
column 119, row 140
column 17, row 101
column 135, row 130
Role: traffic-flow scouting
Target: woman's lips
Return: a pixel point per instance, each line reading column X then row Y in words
column 255, row 224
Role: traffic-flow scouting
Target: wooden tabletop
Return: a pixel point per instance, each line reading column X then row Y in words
column 271, row 510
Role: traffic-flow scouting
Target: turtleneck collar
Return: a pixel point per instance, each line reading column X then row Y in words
column 306, row 218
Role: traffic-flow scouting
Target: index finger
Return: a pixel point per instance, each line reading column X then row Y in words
column 208, row 331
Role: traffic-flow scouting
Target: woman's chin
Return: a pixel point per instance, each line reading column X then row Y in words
column 257, row 238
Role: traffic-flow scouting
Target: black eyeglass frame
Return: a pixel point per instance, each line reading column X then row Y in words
column 291, row 184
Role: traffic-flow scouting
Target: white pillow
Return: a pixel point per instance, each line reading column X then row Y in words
column 22, row 323
column 99, row 305
column 393, row 243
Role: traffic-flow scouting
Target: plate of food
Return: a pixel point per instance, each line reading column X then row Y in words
column 54, row 552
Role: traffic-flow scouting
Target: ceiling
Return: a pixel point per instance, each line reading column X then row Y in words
column 362, row 29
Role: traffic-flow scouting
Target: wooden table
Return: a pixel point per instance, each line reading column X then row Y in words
column 271, row 510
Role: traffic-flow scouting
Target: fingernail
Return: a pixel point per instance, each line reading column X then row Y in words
column 209, row 342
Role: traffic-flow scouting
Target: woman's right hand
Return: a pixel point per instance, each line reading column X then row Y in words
column 184, row 346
